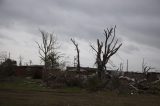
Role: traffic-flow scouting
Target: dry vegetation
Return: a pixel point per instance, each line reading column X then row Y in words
column 30, row 93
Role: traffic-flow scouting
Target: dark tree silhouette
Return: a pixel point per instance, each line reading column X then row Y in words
column 77, row 49
column 105, row 50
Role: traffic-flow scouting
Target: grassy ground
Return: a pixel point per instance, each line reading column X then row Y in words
column 30, row 93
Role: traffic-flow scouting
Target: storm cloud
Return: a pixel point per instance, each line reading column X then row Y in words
column 137, row 22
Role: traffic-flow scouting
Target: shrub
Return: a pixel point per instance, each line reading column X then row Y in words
column 73, row 80
column 95, row 84
column 7, row 68
column 56, row 80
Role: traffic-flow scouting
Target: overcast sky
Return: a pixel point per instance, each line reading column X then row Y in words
column 137, row 21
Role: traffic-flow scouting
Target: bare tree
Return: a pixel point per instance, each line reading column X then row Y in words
column 20, row 60
column 77, row 49
column 30, row 62
column 121, row 67
column 105, row 50
column 3, row 56
column 45, row 49
column 145, row 68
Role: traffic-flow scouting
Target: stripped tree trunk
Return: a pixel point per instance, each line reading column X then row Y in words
column 78, row 56
column 105, row 50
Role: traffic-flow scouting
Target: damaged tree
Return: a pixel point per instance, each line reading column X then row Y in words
column 45, row 50
column 145, row 68
column 77, row 49
column 105, row 50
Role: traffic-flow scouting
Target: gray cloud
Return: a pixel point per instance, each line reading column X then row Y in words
column 137, row 20
column 131, row 49
column 3, row 36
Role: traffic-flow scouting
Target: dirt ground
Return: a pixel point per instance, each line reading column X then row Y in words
column 24, row 92
column 10, row 97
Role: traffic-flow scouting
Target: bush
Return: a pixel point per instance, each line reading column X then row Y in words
column 73, row 80
column 7, row 68
column 95, row 84
column 57, row 80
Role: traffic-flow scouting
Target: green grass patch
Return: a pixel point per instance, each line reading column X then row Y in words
column 22, row 84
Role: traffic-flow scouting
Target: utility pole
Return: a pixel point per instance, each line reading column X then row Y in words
column 78, row 56
column 143, row 65
column 121, row 67
column 9, row 55
column 30, row 62
column 127, row 66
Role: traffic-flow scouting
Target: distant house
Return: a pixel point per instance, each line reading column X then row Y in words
column 34, row 71
column 152, row 76
column 83, row 70
column 89, row 71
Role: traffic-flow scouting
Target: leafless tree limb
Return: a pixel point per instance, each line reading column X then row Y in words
column 78, row 56
column 106, row 50
column 46, row 49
